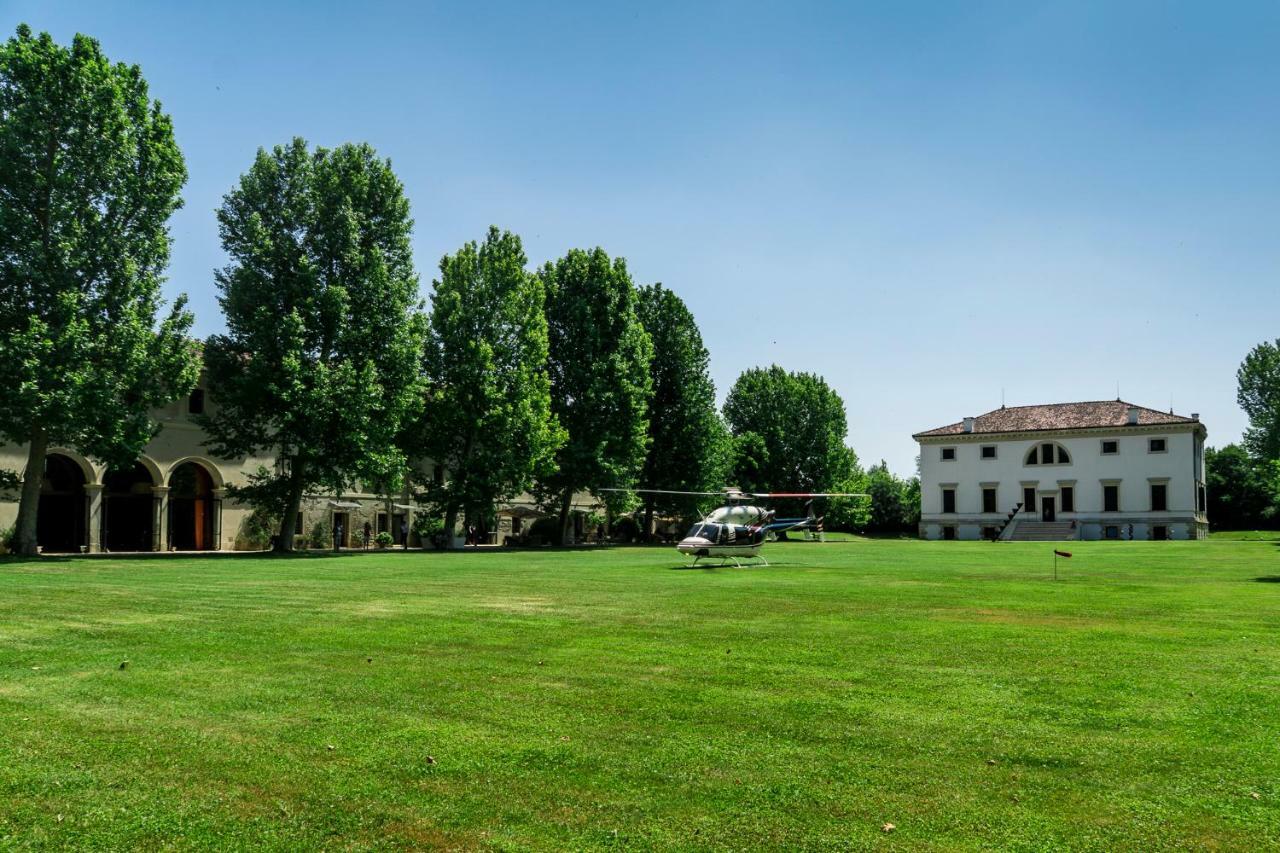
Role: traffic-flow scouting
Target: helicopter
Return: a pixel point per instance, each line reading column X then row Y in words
column 739, row 530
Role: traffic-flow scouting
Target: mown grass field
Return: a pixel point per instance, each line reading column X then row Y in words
column 596, row 699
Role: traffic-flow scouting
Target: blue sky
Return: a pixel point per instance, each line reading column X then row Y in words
column 925, row 203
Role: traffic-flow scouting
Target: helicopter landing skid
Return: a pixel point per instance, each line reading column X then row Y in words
column 726, row 559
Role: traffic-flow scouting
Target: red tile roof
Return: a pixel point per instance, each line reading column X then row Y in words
column 1055, row 416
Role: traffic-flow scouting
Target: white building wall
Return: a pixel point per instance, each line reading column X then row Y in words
column 1134, row 467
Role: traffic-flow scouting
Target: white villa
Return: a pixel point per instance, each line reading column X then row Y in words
column 1098, row 470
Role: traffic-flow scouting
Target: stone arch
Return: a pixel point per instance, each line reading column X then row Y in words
column 152, row 468
column 129, row 503
column 86, row 467
column 62, row 521
column 215, row 473
column 192, row 506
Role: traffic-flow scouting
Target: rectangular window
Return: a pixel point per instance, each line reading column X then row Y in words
column 988, row 451
column 1156, row 445
column 195, row 403
column 948, row 500
column 990, row 533
column 948, row 454
column 297, row 525
column 1046, row 454
column 1110, row 448
column 989, row 500
column 437, row 474
column 948, row 532
column 1159, row 533
column 1112, row 532
column 1200, row 498
column 1159, row 497
column 1110, row 498
column 1068, row 499
column 1029, row 499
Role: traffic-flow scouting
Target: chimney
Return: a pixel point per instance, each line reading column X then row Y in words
column 1195, row 416
column 968, row 424
column 1133, row 416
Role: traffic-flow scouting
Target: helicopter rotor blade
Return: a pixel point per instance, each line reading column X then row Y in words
column 807, row 494
column 663, row 492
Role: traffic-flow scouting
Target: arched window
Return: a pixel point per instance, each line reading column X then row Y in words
column 1048, row 453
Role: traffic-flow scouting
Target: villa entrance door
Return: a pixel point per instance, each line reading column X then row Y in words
column 1047, row 507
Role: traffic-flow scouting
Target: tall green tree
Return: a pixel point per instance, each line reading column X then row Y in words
column 887, row 510
column 800, row 423
column 749, row 465
column 488, row 415
column 321, row 360
column 1243, row 490
column 600, row 383
column 849, row 514
column 1258, row 393
column 911, row 505
column 89, row 175
column 689, row 447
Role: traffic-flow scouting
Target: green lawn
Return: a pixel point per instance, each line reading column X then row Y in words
column 597, row 699
column 1264, row 535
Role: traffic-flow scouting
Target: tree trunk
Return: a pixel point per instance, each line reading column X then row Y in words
column 450, row 521
column 284, row 542
column 391, row 518
column 29, row 502
column 648, row 518
column 566, row 502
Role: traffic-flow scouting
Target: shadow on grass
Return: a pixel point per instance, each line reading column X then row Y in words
column 148, row 556
column 303, row 554
column 1267, row 579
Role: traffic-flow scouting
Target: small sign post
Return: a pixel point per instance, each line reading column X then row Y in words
column 1056, row 555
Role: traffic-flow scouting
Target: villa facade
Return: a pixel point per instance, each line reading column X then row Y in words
column 1093, row 470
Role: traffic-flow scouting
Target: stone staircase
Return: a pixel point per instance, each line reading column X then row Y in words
column 1042, row 531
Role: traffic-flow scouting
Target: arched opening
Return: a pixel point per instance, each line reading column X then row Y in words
column 128, row 510
column 1047, row 453
column 61, row 520
column 191, row 508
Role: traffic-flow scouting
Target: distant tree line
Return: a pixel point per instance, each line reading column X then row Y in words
column 555, row 380
column 1243, row 480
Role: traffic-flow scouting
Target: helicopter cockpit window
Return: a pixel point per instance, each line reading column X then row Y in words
column 710, row 532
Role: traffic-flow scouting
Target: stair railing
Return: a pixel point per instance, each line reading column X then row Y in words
column 1008, row 520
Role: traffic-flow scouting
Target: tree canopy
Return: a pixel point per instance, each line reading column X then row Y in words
column 89, row 176
column 600, row 383
column 488, row 415
column 689, row 448
column 1243, row 490
column 320, row 363
column 1259, row 395
column 790, row 429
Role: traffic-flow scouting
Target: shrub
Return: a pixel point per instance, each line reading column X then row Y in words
column 257, row 530
column 7, row 535
column 544, row 530
column 625, row 529
column 428, row 529
column 384, row 539
column 321, row 535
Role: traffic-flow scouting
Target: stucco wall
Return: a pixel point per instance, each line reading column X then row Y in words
column 1133, row 468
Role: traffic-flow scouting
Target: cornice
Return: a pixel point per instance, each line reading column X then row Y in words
column 1027, row 435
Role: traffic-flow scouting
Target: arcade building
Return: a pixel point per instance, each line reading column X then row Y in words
column 174, row 498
